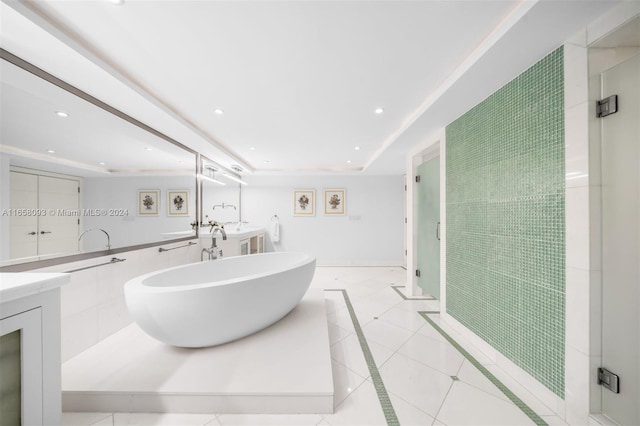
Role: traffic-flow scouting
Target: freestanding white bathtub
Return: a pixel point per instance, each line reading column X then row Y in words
column 210, row 303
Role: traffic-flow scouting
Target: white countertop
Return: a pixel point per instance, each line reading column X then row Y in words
column 20, row 284
column 232, row 232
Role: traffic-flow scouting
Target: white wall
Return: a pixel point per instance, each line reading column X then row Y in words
column 370, row 233
column 122, row 193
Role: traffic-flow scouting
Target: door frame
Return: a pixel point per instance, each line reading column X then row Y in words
column 431, row 148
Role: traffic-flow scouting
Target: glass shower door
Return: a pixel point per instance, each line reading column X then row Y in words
column 428, row 224
column 621, row 242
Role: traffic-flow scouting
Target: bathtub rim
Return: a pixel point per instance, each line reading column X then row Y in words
column 137, row 283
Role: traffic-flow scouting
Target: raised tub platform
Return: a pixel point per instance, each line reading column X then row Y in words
column 285, row 368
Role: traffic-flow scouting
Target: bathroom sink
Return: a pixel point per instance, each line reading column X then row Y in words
column 232, row 231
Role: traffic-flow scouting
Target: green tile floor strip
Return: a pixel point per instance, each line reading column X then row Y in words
column 383, row 396
column 396, row 287
column 493, row 379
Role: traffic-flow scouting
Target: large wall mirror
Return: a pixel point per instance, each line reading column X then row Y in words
column 221, row 194
column 82, row 178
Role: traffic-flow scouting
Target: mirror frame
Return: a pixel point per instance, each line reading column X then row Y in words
column 37, row 264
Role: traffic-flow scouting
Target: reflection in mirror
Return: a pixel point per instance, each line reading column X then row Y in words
column 221, row 194
column 77, row 178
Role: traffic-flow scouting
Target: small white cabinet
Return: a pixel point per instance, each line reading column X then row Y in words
column 242, row 242
column 30, row 333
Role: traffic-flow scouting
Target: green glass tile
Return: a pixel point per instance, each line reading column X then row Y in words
column 505, row 220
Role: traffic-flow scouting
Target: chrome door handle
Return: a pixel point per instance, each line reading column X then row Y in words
column 32, row 233
column 45, row 232
column 438, row 231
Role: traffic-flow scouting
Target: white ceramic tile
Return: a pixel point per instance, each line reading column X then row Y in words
column 386, row 334
column 409, row 320
column 575, row 74
column 554, row 421
column 421, row 386
column 473, row 377
column 419, row 305
column 431, row 332
column 161, row 419
column 436, row 354
column 334, row 300
column 78, row 332
column 466, row 405
column 476, row 347
column 80, row 294
column 348, row 352
column 341, row 318
column 337, row 333
column 86, row 419
column 372, row 307
column 577, row 309
column 577, row 145
column 520, row 391
column 577, row 229
column 111, row 282
column 112, row 316
column 345, row 381
column 407, row 414
column 269, row 419
column 361, row 407
column 577, row 380
column 265, row 364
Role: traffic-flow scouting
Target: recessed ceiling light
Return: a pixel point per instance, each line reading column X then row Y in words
column 356, row 148
column 61, row 114
column 51, row 151
column 180, row 162
column 348, row 161
column 102, row 163
column 253, row 148
column 116, row 2
column 146, row 148
column 218, row 111
column 266, row 161
column 379, row 110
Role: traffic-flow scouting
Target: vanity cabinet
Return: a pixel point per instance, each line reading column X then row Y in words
column 30, row 348
column 238, row 243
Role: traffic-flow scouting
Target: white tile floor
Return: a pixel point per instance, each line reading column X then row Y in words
column 415, row 362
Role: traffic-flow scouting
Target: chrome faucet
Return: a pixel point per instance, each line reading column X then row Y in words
column 96, row 229
column 213, row 250
column 224, row 206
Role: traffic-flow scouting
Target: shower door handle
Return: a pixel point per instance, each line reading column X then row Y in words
column 438, row 231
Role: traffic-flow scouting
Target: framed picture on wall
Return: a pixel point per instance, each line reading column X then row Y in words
column 304, row 201
column 148, row 201
column 178, row 202
column 334, row 202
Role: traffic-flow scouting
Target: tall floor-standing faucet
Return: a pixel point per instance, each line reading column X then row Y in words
column 213, row 250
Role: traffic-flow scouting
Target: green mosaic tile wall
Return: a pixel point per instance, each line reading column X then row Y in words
column 505, row 221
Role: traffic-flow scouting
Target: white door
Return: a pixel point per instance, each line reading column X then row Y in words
column 44, row 216
column 23, row 234
column 58, row 231
column 621, row 242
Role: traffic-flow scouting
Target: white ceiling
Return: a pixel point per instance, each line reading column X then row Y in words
column 298, row 80
column 89, row 141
